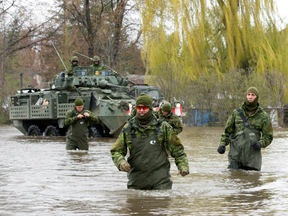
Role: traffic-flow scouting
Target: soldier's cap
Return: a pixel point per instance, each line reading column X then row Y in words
column 253, row 90
column 74, row 58
column 144, row 99
column 166, row 107
column 78, row 102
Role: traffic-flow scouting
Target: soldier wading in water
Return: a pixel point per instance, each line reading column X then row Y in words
column 248, row 130
column 78, row 121
column 147, row 139
column 165, row 113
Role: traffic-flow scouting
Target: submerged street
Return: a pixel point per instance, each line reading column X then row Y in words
column 39, row 177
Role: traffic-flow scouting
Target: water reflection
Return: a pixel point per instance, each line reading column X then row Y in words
column 145, row 205
column 79, row 156
column 249, row 192
column 39, row 177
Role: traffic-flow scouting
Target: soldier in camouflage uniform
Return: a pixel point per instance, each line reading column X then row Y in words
column 74, row 63
column 246, row 141
column 78, row 121
column 147, row 139
column 165, row 113
column 97, row 66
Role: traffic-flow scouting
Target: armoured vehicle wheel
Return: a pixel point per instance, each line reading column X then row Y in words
column 51, row 131
column 34, row 130
column 93, row 132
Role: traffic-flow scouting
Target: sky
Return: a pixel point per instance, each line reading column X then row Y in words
column 282, row 10
column 40, row 9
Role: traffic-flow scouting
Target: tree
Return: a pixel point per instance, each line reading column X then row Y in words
column 104, row 26
column 214, row 37
column 18, row 34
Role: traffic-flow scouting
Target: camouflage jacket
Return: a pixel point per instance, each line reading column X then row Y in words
column 98, row 67
column 258, row 120
column 70, row 69
column 166, row 136
column 133, row 112
column 70, row 119
column 172, row 119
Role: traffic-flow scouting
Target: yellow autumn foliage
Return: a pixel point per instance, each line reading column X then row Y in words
column 192, row 37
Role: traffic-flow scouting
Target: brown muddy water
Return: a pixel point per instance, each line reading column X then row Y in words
column 39, row 177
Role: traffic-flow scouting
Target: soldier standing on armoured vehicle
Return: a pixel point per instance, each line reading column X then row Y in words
column 78, row 121
column 74, row 63
column 147, row 139
column 97, row 66
column 165, row 113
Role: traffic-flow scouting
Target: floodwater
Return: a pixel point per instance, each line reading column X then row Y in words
column 39, row 177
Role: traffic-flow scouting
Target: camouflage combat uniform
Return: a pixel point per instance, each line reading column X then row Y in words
column 98, row 67
column 77, row 136
column 260, row 130
column 172, row 119
column 150, row 166
column 133, row 112
column 70, row 69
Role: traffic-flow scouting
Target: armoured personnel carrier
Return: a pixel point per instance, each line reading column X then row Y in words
column 36, row 112
column 158, row 98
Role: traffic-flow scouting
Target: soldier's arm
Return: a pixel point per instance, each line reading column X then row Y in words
column 178, row 127
column 69, row 70
column 69, row 119
column 267, row 133
column 119, row 150
column 93, row 117
column 229, row 129
column 175, row 147
column 156, row 113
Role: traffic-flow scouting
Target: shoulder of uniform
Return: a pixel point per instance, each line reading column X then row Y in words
column 131, row 119
column 127, row 127
column 69, row 112
column 262, row 111
column 235, row 111
column 174, row 115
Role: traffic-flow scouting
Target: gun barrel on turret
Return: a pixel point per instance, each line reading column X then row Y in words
column 105, row 84
column 112, row 85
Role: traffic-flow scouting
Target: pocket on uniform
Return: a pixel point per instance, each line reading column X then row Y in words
column 236, row 142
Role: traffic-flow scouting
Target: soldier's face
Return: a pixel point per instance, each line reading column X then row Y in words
column 164, row 113
column 75, row 62
column 79, row 108
column 142, row 109
column 96, row 62
column 251, row 97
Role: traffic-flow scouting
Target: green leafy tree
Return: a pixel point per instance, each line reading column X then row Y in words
column 223, row 39
column 214, row 37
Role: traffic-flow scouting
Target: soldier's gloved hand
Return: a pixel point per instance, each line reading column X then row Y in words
column 183, row 172
column 256, row 145
column 86, row 114
column 80, row 116
column 125, row 166
column 221, row 149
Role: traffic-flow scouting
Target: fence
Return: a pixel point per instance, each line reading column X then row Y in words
column 208, row 117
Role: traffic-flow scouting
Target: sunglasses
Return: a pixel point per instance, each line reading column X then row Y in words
column 145, row 108
column 74, row 61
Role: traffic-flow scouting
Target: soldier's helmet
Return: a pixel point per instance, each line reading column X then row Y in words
column 96, row 58
column 74, row 58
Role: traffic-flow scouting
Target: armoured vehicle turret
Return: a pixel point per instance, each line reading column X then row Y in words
column 36, row 112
